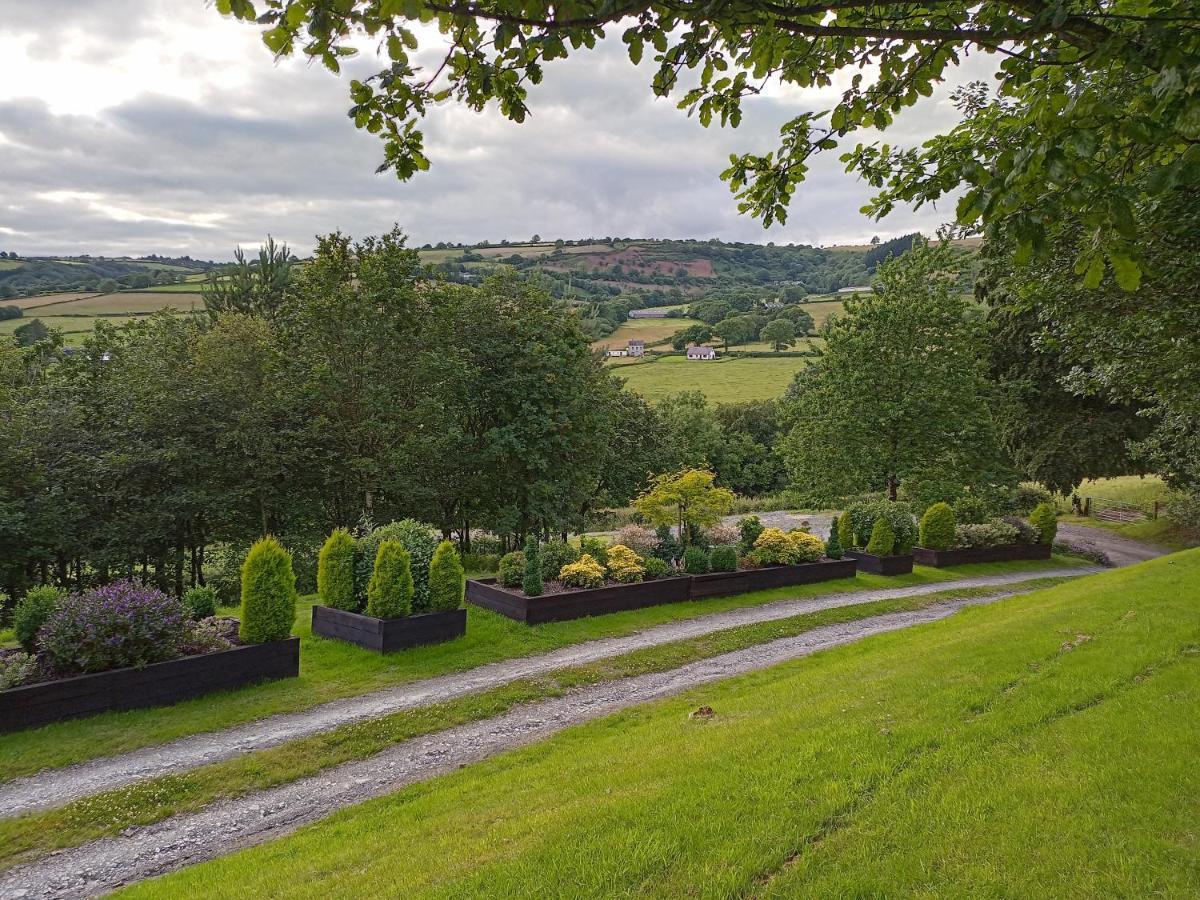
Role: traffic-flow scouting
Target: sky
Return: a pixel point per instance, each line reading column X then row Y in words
column 130, row 127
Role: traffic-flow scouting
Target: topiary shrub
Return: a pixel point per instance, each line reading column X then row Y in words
column 335, row 571
column 937, row 527
column 447, row 580
column 119, row 625
column 695, row 561
column 624, row 565
column 200, row 602
column 750, row 527
column 656, row 568
column 31, row 611
column 833, row 546
column 531, row 581
column 883, row 538
column 668, row 548
column 555, row 555
column 1045, row 519
column 268, row 593
column 723, row 559
column 585, row 572
column 512, row 569
column 419, row 539
column 846, row 531
column 390, row 591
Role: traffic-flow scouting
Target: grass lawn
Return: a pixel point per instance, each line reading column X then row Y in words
column 1041, row 746
column 1136, row 489
column 331, row 669
column 721, row 380
column 648, row 330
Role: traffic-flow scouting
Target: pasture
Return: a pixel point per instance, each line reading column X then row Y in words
column 724, row 380
column 648, row 330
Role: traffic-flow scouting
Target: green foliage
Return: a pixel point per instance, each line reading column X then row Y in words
column 833, row 545
column 512, row 569
column 1045, row 519
column 446, row 581
column 390, row 591
column 595, row 548
column 200, row 602
column 971, row 509
column 668, row 549
column 1027, row 496
column 776, row 547
column 268, row 593
column 780, row 334
column 687, row 498
column 883, row 538
column 419, row 539
column 31, row 612
column 863, row 515
column 531, row 581
column 555, row 555
column 656, row 568
column 335, row 571
column 585, row 572
column 989, row 534
column 624, row 565
column 845, row 530
column 723, row 559
column 6, row 610
column 695, row 561
column 937, row 527
column 750, row 527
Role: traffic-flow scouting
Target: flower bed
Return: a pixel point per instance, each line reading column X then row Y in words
column 881, row 565
column 158, row 683
column 964, row 555
column 388, row 635
column 575, row 604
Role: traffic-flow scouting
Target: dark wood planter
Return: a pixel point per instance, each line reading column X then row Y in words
column 154, row 685
column 387, row 635
column 881, row 565
column 720, row 584
column 576, row 604
column 1008, row 553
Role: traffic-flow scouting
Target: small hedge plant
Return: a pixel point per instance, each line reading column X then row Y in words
column 750, row 527
column 859, row 520
column 268, row 593
column 419, row 539
column 200, row 602
column 833, row 546
column 531, row 581
column 668, row 548
column 723, row 559
column 624, row 565
column 695, row 561
column 512, row 569
column 775, row 547
column 447, row 581
column 335, row 571
column 585, row 572
column 845, row 530
column 31, row 612
column 883, row 538
column 390, row 590
column 993, row 534
column 595, row 548
column 937, row 527
column 1045, row 519
column 555, row 555
column 655, row 567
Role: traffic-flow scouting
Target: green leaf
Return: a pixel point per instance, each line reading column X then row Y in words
column 1128, row 273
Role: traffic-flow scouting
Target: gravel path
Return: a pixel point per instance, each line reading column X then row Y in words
column 1122, row 551
column 56, row 787
column 141, row 853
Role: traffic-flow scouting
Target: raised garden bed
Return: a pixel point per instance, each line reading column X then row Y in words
column 881, row 565
column 388, row 635
column 154, row 685
column 959, row 557
column 575, row 604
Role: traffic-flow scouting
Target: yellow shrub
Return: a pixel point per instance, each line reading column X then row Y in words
column 583, row 573
column 773, row 546
column 624, row 565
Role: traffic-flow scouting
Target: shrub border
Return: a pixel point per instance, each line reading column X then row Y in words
column 389, row 635
column 157, row 684
column 620, row 597
column 881, row 565
column 964, row 556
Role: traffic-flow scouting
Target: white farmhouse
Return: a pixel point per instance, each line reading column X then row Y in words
column 701, row 352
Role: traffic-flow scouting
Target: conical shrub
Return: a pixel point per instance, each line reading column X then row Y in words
column 268, row 593
column 446, row 579
column 390, row 591
column 833, row 546
column 335, row 571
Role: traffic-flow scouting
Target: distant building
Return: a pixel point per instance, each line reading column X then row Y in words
column 701, row 352
column 620, row 351
column 637, row 348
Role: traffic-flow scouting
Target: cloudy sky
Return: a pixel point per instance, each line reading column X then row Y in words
column 156, row 126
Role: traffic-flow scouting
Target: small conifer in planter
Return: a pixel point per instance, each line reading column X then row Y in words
column 937, row 527
column 390, row 591
column 695, row 561
column 268, row 593
column 446, row 579
column 883, row 538
column 335, row 571
column 833, row 546
column 845, row 530
column 531, row 583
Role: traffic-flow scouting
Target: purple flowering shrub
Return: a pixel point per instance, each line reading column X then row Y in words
column 118, row 625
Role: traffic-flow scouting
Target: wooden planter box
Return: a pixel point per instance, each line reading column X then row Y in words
column 881, row 565
column 575, row 604
column 1008, row 553
column 154, row 685
column 387, row 635
column 720, row 584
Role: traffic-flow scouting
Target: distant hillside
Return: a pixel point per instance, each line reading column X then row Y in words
column 22, row 276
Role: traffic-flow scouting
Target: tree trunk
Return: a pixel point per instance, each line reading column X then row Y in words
column 892, row 483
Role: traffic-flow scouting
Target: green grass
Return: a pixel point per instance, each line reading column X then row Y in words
column 187, row 287
column 330, row 670
column 722, row 380
column 1041, row 746
column 111, row 812
column 8, row 265
column 1136, row 489
column 648, row 330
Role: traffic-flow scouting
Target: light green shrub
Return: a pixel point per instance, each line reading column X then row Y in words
column 937, row 527
column 31, row 611
column 200, row 602
column 268, row 593
column 446, row 579
column 512, row 569
column 1045, row 519
column 335, row 571
column 883, row 538
column 390, row 591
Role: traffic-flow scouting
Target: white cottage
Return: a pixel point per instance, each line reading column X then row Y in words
column 701, row 352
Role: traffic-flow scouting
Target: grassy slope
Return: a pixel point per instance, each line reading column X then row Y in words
column 721, row 380
column 331, row 669
column 1043, row 746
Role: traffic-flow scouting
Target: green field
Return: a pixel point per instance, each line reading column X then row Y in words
column 725, row 380
column 1041, row 746
column 76, row 314
column 648, row 330
column 74, row 328
column 187, row 287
